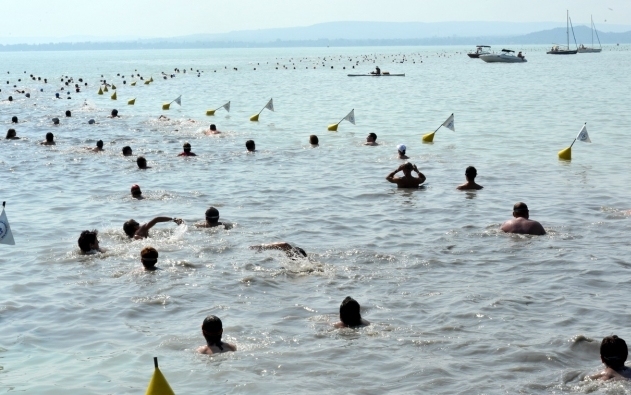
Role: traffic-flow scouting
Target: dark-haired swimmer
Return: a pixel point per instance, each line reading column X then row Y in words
column 149, row 258
column 89, row 242
column 56, row 121
column 212, row 330
column 127, row 151
column 407, row 181
column 291, row 251
column 50, row 139
column 314, row 141
column 187, row 150
column 114, row 114
column 613, row 353
column 521, row 224
column 371, row 139
column 142, row 163
column 99, row 146
column 250, row 146
column 14, row 119
column 134, row 230
column 212, row 220
column 350, row 315
column 470, row 173
column 212, row 130
column 12, row 135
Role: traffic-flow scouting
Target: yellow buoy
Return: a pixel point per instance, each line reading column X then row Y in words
column 254, row 118
column 333, row 128
column 151, row 79
column 566, row 154
column 105, row 88
column 147, row 82
column 133, row 83
column 166, row 106
column 100, row 92
column 131, row 102
column 428, row 138
column 210, row 112
column 114, row 97
column 113, row 86
column 158, row 384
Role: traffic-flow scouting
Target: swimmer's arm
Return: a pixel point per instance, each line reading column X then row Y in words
column 273, row 246
column 154, row 221
column 391, row 177
column 421, row 176
column 205, row 350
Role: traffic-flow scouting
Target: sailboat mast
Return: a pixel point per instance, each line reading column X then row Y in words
column 592, row 18
column 567, row 27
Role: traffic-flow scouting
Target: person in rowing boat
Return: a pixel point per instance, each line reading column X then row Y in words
column 407, row 181
column 377, row 71
column 521, row 224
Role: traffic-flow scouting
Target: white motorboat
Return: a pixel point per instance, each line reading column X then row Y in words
column 507, row 56
column 480, row 50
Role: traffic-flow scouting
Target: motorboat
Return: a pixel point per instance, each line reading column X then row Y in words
column 583, row 49
column 480, row 50
column 559, row 50
column 507, row 56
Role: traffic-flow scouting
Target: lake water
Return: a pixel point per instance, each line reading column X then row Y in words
column 456, row 306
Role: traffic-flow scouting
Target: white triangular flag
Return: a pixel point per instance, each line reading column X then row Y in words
column 270, row 105
column 6, row 237
column 227, row 106
column 351, row 117
column 583, row 136
column 178, row 100
column 449, row 123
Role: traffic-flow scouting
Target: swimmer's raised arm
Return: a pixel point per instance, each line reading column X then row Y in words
column 391, row 177
column 421, row 176
column 154, row 221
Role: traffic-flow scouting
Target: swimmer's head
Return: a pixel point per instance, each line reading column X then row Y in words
column 300, row 251
column 520, row 210
column 313, row 140
column 408, row 167
column 14, row 119
column 613, row 352
column 99, row 144
column 56, row 121
column 50, row 137
column 114, row 113
column 88, row 240
column 250, row 145
column 141, row 162
column 401, row 148
column 470, row 173
column 371, row 138
column 11, row 133
column 10, row 98
column 68, row 113
column 91, row 121
column 149, row 258
column 187, row 147
column 57, row 95
column 135, row 190
column 213, row 127
column 130, row 227
column 350, row 312
column 212, row 215
column 127, row 150
column 212, row 329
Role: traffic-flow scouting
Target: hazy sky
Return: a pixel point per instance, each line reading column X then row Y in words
column 162, row 18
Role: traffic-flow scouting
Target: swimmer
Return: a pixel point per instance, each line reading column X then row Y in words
column 313, row 140
column 136, row 231
column 613, row 353
column 149, row 258
column 50, row 139
column 136, row 193
column 56, row 121
column 291, row 251
column 371, row 139
column 212, row 329
column 212, row 220
column 521, row 224
column 114, row 114
column 127, row 151
column 91, row 122
column 12, row 135
column 213, row 130
column 470, row 173
column 407, row 181
column 99, row 146
column 350, row 315
column 89, row 242
column 142, row 163
column 163, row 118
column 68, row 114
column 250, row 146
column 14, row 119
column 187, row 150
column 401, row 151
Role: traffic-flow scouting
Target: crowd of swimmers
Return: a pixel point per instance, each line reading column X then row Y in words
column 613, row 350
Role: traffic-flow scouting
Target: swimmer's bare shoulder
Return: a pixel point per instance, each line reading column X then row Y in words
column 611, row 374
column 216, row 350
column 340, row 324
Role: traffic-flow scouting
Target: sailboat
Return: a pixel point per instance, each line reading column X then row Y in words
column 584, row 49
column 558, row 50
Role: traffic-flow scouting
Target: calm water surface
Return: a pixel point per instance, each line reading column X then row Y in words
column 456, row 306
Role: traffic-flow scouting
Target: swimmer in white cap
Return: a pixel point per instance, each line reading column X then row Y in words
column 401, row 150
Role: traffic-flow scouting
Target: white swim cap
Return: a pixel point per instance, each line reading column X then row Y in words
column 401, row 147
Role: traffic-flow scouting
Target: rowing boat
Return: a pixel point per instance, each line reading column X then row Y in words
column 376, row 75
